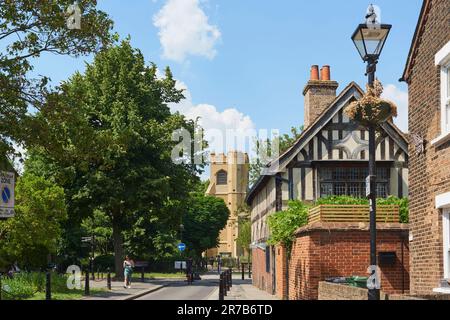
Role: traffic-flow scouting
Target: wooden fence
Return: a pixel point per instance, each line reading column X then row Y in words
column 352, row 213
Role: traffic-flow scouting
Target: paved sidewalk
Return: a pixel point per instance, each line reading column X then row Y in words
column 243, row 290
column 118, row 292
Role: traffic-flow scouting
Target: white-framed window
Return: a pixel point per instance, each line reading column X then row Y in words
column 442, row 59
column 445, row 98
column 446, row 231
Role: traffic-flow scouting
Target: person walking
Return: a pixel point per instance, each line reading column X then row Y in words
column 128, row 266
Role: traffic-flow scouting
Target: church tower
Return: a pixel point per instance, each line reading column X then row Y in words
column 229, row 181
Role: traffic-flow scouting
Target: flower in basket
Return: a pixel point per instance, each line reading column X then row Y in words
column 371, row 109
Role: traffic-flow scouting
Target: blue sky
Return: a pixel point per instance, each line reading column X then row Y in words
column 245, row 62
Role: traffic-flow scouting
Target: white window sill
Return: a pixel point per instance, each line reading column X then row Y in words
column 443, row 138
column 442, row 290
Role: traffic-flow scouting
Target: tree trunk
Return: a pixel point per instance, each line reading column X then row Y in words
column 118, row 249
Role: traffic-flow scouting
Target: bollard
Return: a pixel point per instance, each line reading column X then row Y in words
column 243, row 270
column 142, row 274
column 249, row 270
column 231, row 278
column 108, row 279
column 221, row 296
column 227, row 279
column 86, row 283
column 224, row 284
column 48, row 286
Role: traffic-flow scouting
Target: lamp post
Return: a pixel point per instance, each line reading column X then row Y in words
column 369, row 39
column 181, row 232
column 181, row 241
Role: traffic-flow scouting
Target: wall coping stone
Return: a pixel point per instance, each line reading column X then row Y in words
column 350, row 226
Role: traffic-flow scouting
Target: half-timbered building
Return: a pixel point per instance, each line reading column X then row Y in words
column 330, row 158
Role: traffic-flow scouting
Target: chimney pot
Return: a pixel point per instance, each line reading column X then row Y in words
column 325, row 73
column 315, row 73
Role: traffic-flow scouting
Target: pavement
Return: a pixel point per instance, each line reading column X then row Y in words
column 118, row 292
column 243, row 290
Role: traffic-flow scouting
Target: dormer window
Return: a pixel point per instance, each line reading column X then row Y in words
column 222, row 177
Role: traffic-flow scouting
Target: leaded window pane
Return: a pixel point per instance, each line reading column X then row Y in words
column 351, row 181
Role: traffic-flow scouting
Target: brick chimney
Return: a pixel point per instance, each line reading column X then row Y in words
column 319, row 93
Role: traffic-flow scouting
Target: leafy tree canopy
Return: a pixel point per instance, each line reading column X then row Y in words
column 32, row 234
column 284, row 142
column 205, row 217
column 28, row 29
column 110, row 132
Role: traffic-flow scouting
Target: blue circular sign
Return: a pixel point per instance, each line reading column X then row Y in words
column 6, row 194
column 181, row 247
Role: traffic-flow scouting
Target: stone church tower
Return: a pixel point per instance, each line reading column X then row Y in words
column 229, row 181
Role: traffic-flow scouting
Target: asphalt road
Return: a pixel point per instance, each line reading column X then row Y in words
column 180, row 290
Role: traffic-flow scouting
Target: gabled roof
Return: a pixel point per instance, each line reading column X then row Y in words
column 416, row 39
column 352, row 91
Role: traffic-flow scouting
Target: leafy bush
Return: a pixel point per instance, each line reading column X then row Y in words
column 403, row 203
column 25, row 285
column 104, row 262
column 18, row 288
column 284, row 223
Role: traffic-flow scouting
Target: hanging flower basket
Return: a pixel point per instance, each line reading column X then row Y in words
column 371, row 109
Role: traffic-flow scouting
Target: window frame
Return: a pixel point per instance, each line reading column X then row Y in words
column 442, row 60
column 446, row 239
column 219, row 182
column 349, row 183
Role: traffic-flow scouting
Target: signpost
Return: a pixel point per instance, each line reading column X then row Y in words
column 7, row 181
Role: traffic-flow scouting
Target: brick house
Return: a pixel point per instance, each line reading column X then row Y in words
column 329, row 158
column 427, row 74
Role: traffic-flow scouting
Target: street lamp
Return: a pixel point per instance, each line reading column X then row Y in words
column 369, row 39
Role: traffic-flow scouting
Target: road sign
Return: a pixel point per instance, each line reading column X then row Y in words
column 180, row 265
column 140, row 264
column 7, row 181
column 181, row 247
column 368, row 186
column 86, row 239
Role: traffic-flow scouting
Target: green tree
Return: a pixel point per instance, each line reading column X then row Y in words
column 111, row 140
column 34, row 232
column 283, row 224
column 244, row 238
column 205, row 217
column 284, row 142
column 28, row 29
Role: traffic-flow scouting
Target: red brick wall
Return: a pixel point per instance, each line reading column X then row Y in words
column 260, row 278
column 317, row 255
column 429, row 173
column 280, row 270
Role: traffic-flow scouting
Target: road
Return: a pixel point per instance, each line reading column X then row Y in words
column 180, row 290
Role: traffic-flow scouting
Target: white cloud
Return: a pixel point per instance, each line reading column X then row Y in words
column 217, row 123
column 184, row 30
column 400, row 98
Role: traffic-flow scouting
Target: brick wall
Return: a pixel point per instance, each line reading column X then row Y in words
column 340, row 250
column 280, row 270
column 260, row 278
column 429, row 173
column 332, row 291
